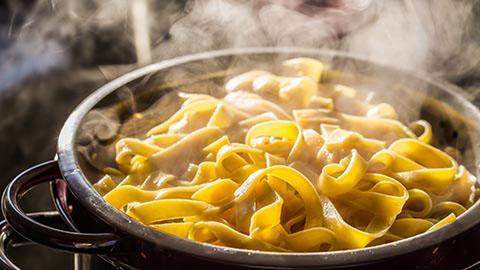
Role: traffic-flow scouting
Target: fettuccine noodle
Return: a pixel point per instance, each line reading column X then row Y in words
column 275, row 165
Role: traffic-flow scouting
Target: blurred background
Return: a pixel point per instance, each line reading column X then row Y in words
column 53, row 53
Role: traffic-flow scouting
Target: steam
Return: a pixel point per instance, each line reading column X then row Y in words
column 141, row 27
column 27, row 51
column 434, row 36
column 40, row 36
column 37, row 55
column 213, row 25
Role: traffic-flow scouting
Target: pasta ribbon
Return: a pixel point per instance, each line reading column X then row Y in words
column 255, row 104
column 382, row 110
column 131, row 153
column 123, row 195
column 297, row 181
column 423, row 129
column 227, row 236
column 278, row 137
column 349, row 236
column 407, row 227
column 185, row 151
column 417, row 165
column 180, row 229
column 339, row 143
column 297, row 91
column 244, row 81
column 238, row 161
column 172, row 209
column 314, row 239
column 282, row 138
column 337, row 179
column 387, row 130
column 419, row 203
column 216, row 192
column 190, row 109
column 444, row 209
column 377, row 193
column 304, row 66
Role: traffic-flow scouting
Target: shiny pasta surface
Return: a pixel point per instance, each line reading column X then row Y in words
column 287, row 163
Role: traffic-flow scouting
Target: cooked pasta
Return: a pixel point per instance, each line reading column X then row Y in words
column 275, row 164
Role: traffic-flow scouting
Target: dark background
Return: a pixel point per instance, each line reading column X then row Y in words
column 37, row 94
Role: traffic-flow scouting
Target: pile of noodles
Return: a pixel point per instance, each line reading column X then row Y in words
column 275, row 165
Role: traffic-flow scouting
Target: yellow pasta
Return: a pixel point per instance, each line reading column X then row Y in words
column 275, row 164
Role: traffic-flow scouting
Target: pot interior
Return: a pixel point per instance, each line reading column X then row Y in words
column 154, row 95
column 152, row 92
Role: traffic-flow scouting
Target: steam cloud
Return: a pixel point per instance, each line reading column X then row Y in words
column 435, row 36
column 439, row 37
column 37, row 36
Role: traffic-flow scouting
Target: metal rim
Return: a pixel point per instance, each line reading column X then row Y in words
column 90, row 199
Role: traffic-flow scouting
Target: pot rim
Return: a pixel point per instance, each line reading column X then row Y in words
column 93, row 202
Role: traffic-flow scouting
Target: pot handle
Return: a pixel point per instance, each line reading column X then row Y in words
column 92, row 243
column 10, row 239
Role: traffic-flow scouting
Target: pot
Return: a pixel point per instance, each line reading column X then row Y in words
column 92, row 226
